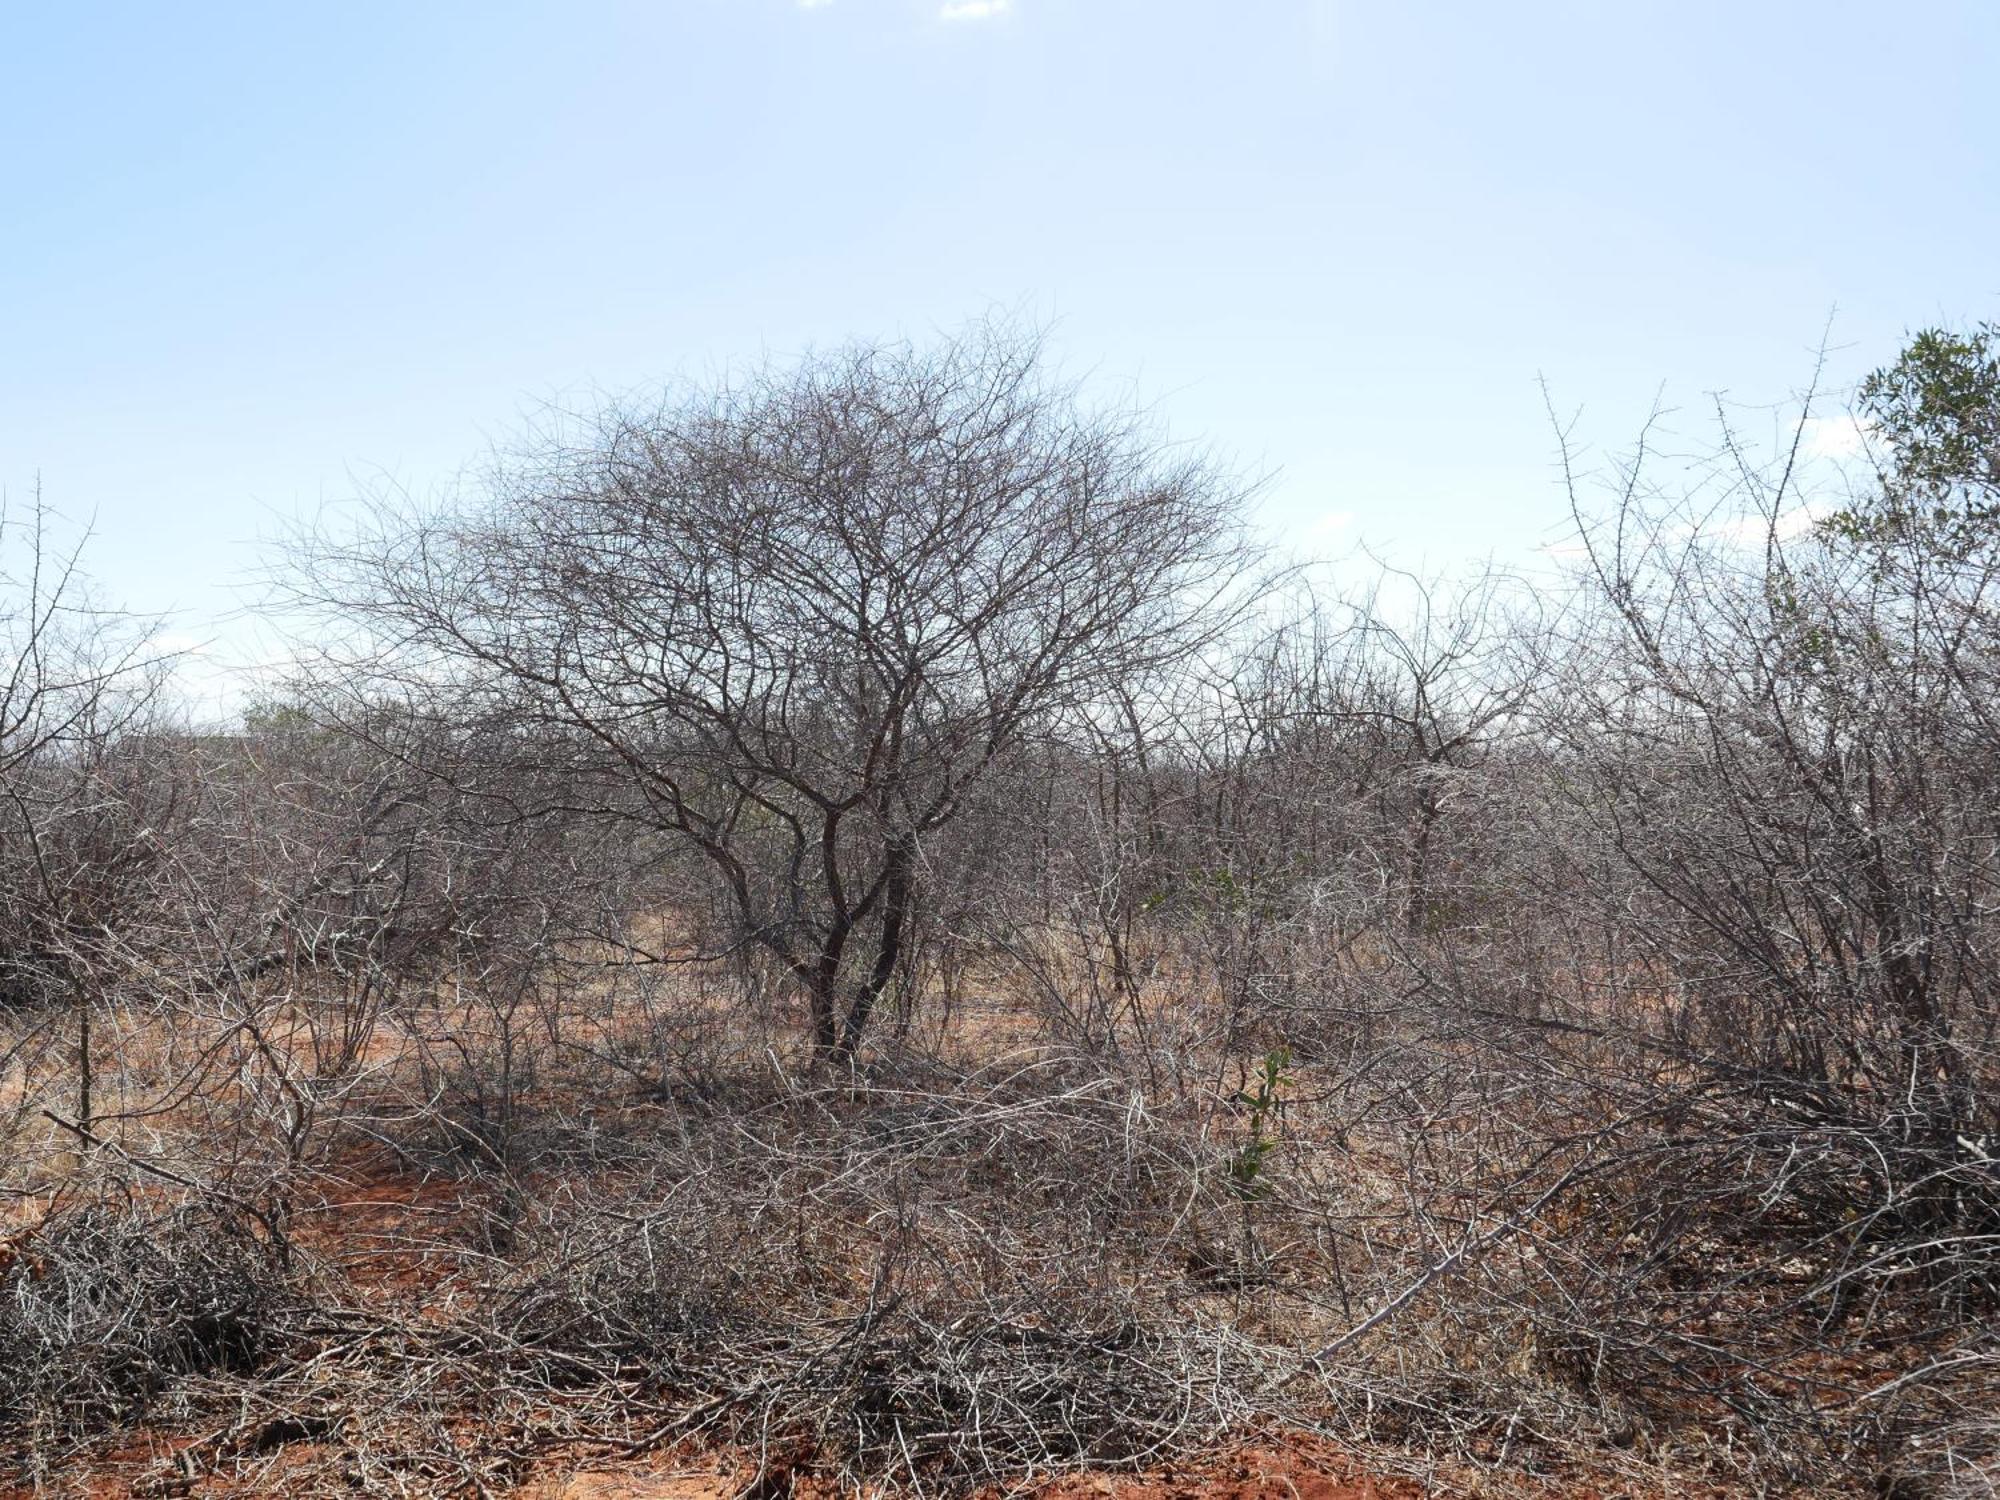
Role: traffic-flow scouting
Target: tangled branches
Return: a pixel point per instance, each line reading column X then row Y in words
column 106, row 1307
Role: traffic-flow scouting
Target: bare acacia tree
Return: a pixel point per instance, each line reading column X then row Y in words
column 791, row 623
column 76, row 680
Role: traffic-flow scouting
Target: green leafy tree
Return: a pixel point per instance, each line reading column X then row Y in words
column 1937, row 411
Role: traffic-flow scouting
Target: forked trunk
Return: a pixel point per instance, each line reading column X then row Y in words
column 888, row 952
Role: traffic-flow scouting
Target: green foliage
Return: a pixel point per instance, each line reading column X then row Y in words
column 1219, row 892
column 1937, row 410
column 274, row 716
column 1246, row 1167
column 1938, row 406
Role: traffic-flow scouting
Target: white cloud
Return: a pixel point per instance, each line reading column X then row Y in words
column 813, row 4
column 973, row 10
column 177, row 642
column 1845, row 436
column 1785, row 526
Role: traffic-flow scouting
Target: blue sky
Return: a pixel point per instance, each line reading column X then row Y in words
column 255, row 254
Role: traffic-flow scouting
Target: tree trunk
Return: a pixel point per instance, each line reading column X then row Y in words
column 895, row 912
column 822, row 979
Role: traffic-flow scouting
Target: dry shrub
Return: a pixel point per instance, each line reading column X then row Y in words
column 944, row 1282
column 109, row 1304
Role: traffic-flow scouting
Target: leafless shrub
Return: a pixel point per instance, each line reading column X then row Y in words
column 105, row 1306
column 788, row 627
column 831, row 1283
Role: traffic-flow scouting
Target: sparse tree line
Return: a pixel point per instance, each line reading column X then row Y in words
column 880, row 841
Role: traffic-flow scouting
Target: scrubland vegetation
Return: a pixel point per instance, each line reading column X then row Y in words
column 855, row 921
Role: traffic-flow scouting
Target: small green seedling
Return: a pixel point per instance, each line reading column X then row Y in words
column 1246, row 1168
